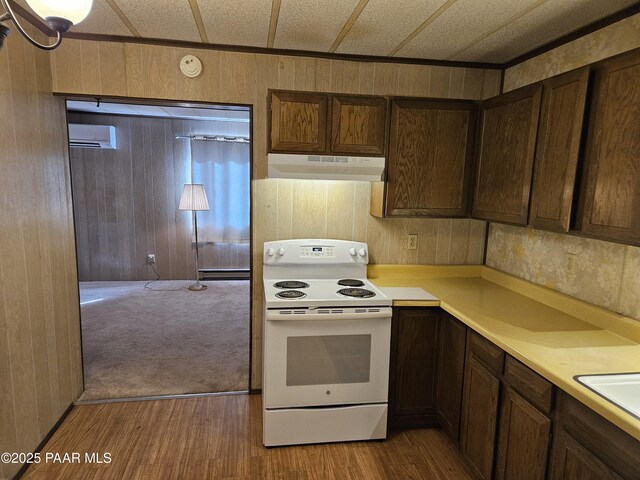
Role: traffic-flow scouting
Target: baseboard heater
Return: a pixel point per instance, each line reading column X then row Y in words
column 224, row 274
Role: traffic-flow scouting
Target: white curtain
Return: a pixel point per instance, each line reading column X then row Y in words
column 223, row 169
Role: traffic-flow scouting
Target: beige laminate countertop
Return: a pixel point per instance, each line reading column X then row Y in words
column 557, row 336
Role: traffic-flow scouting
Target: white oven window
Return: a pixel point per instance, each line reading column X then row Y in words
column 328, row 359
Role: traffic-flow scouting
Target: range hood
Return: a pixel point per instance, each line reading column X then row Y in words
column 325, row 167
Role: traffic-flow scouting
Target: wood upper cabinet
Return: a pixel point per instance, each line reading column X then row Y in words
column 450, row 374
column 413, row 367
column 611, row 190
column 430, row 157
column 299, row 122
column 323, row 123
column 358, row 125
column 505, row 162
column 557, row 150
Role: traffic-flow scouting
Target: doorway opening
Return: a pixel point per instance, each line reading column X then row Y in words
column 144, row 332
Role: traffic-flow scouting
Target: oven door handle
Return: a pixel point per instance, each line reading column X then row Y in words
column 320, row 317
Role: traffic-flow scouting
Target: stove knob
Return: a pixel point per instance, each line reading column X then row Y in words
column 271, row 252
column 281, row 251
column 362, row 252
column 352, row 252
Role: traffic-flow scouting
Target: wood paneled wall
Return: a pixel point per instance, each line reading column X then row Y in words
column 40, row 362
column 126, row 202
column 150, row 71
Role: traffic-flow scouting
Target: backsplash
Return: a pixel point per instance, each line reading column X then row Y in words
column 605, row 274
column 285, row 209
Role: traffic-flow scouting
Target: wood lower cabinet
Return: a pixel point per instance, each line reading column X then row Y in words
column 611, row 189
column 479, row 417
column 431, row 152
column 557, row 150
column 450, row 374
column 358, row 125
column 572, row 461
column 523, row 443
column 508, row 412
column 587, row 446
column 298, row 122
column 413, row 367
column 505, row 162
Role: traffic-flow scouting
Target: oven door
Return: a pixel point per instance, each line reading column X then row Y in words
column 333, row 361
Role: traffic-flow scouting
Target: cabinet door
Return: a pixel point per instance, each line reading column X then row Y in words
column 524, row 439
column 605, row 443
column 358, row 125
column 557, row 150
column 450, row 368
column 413, row 361
column 479, row 416
column 505, row 163
column 299, row 122
column 572, row 461
column 612, row 174
column 430, row 157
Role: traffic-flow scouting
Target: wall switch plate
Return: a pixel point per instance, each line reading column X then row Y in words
column 412, row 241
column 151, row 258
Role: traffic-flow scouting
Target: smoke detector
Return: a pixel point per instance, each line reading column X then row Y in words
column 191, row 66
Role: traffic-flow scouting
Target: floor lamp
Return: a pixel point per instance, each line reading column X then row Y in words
column 194, row 198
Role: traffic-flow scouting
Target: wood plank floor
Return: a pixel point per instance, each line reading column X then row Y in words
column 221, row 437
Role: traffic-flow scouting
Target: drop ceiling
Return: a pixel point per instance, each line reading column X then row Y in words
column 491, row 31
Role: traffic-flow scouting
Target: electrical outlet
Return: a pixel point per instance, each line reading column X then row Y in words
column 412, row 241
column 570, row 264
column 151, row 258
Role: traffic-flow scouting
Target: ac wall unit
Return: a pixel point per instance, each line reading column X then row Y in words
column 92, row 136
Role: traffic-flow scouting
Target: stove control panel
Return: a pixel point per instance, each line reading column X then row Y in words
column 317, row 251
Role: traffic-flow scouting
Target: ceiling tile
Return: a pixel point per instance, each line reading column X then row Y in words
column 102, row 20
column 311, row 24
column 540, row 26
column 240, row 22
column 383, row 25
column 460, row 25
column 168, row 19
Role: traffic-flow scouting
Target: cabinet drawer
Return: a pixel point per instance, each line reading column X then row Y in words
column 490, row 354
column 529, row 384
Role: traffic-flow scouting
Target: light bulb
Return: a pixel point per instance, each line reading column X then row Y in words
column 72, row 10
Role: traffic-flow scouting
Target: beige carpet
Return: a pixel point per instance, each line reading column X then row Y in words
column 139, row 342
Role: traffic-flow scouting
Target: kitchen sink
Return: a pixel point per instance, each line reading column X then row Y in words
column 621, row 389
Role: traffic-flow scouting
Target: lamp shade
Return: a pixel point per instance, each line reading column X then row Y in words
column 73, row 10
column 193, row 197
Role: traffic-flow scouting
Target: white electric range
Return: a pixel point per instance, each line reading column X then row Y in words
column 326, row 345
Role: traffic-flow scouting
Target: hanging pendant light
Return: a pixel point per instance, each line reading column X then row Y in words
column 60, row 15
